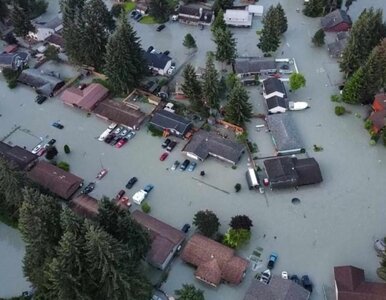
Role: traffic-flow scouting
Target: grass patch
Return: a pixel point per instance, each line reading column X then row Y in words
column 128, row 6
column 148, row 20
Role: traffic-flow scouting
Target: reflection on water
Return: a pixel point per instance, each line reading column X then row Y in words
column 12, row 281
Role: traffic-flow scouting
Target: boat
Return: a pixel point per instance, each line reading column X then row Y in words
column 101, row 174
column 297, row 105
column 265, row 276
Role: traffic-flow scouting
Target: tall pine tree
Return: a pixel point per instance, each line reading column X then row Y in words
column 21, row 21
column 219, row 22
column 160, row 10
column 211, row 84
column 281, row 19
column 270, row 34
column 226, row 45
column 192, row 88
column 238, row 109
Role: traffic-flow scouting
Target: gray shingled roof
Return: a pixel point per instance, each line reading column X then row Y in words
column 276, row 102
column 308, row 171
column 156, row 60
column 205, row 143
column 281, row 172
column 245, row 65
column 272, row 85
column 167, row 120
column 13, row 60
column 44, row 83
column 334, row 18
column 284, row 133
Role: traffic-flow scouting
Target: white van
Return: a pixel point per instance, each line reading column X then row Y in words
column 104, row 134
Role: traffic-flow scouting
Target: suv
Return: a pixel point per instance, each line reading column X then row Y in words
column 171, row 146
column 131, row 182
column 307, row 284
column 57, row 125
column 272, row 259
column 184, row 165
column 166, row 143
column 185, row 228
column 161, row 27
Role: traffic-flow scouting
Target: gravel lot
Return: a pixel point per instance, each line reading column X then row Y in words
column 336, row 221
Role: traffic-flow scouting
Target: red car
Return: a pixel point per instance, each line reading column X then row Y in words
column 119, row 195
column 42, row 151
column 163, row 156
column 121, row 143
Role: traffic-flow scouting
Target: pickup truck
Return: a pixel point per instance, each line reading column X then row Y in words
column 272, row 259
column 142, row 194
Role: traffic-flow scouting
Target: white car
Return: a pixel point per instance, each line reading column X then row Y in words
column 113, row 125
column 37, row 149
column 139, row 197
column 284, row 275
column 104, row 134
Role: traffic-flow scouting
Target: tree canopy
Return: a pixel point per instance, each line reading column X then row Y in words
column 189, row 41
column 206, row 222
column 275, row 24
column 192, row 89
column 238, row 110
column 211, row 84
column 160, row 10
column 189, row 292
column 241, row 222
column 21, row 20
column 236, row 238
column 318, row 38
column 226, row 45
column 297, row 81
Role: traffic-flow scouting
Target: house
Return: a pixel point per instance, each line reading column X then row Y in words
column 84, row 98
column 171, row 122
column 277, row 289
column 285, row 172
column 284, row 134
column 165, row 239
column 44, row 83
column 159, row 63
column 204, row 144
column 120, row 113
column 238, row 18
column 17, row 157
column 63, row 184
column 142, row 6
column 378, row 116
column 350, row 284
column 247, row 68
column 215, row 262
column 13, row 61
column 336, row 48
column 336, row 21
column 276, row 105
column 273, row 87
column 193, row 15
column 56, row 40
column 256, row 10
column 43, row 30
column 84, row 206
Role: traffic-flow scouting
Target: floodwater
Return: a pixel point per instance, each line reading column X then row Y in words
column 12, row 248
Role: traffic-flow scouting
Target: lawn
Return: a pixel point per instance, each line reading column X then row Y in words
column 148, row 20
column 128, row 6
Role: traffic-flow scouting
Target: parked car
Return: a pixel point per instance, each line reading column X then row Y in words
column 192, row 166
column 295, row 279
column 40, row 99
column 284, row 275
column 138, row 17
column 89, row 188
column 104, row 134
column 51, row 142
column 166, row 143
column 57, row 125
column 113, row 125
column 151, row 48
column 185, row 228
column 184, row 165
column 148, row 188
column 42, row 151
column 109, row 138
column 101, row 174
column 307, row 284
column 121, row 142
column 171, row 146
column 117, row 130
column 142, row 194
column 265, row 276
column 131, row 182
column 272, row 260
column 161, row 27
column 115, row 140
column 134, row 13
column 175, row 165
column 37, row 149
column 163, row 156
column 124, row 132
column 120, row 195
column 167, row 52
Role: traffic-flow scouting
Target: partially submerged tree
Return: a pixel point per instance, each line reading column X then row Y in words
column 297, row 81
column 189, row 41
column 241, row 222
column 160, row 10
column 189, row 292
column 226, row 45
column 21, row 21
column 211, row 84
column 314, row 8
column 192, row 89
column 270, row 34
column 51, row 152
column 236, row 238
column 206, row 222
column 281, row 19
column 238, row 109
column 318, row 38
column 219, row 22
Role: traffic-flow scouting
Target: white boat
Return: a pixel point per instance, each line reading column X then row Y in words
column 297, row 105
column 265, row 276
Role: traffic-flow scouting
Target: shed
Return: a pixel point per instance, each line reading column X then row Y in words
column 256, row 10
column 335, row 21
column 238, row 18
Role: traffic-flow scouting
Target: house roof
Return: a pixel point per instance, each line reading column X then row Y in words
column 336, row 48
column 378, row 118
column 44, row 83
column 168, row 120
column 189, row 10
column 236, row 14
column 334, row 18
column 13, row 60
column 277, row 289
column 86, row 98
column 85, row 206
column 276, row 101
column 120, row 113
column 210, row 256
column 351, row 285
column 164, row 237
column 380, row 99
column 308, row 171
column 245, row 65
column 283, row 132
column 205, row 143
column 62, row 183
column 272, row 85
column 16, row 156
column 51, row 24
column 156, row 60
column 342, row 35
column 56, row 39
column 206, row 16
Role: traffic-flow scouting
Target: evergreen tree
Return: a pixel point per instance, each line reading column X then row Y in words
column 281, row 19
column 314, row 8
column 10, row 188
column 226, row 45
column 211, row 84
column 352, row 91
column 365, row 34
column 189, row 41
column 238, row 109
column 3, row 10
column 270, row 34
column 125, row 65
column 21, row 21
column 192, row 88
column 189, row 292
column 160, row 10
column 222, row 5
column 219, row 22
column 318, row 38
column 241, row 222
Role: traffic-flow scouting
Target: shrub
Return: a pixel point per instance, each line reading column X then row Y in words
column 237, row 187
column 336, row 98
column 155, row 131
column 66, row 149
column 339, row 110
column 372, row 142
column 146, row 208
column 12, row 84
column 64, row 166
column 368, row 124
column 318, row 38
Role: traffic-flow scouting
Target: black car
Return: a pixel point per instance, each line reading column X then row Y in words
column 167, row 52
column 51, row 142
column 151, row 48
column 89, row 188
column 307, row 284
column 166, row 143
column 115, row 140
column 131, row 182
column 295, row 279
column 171, row 146
column 40, row 99
column 161, row 27
column 185, row 228
column 109, row 138
column 184, row 165
column 134, row 13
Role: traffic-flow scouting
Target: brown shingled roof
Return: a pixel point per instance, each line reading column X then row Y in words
column 85, row 205
column 86, row 98
column 208, row 255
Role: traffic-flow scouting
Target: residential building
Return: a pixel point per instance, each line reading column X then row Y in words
column 13, row 61
column 273, row 87
column 251, row 66
column 255, row 10
column 165, row 239
column 276, row 105
column 336, row 48
column 193, row 15
column 284, row 134
column 120, row 113
column 277, row 289
column 336, row 21
column 44, row 83
column 17, row 157
column 85, row 206
column 56, row 40
column 204, row 144
column 44, row 30
column 350, row 284
column 84, row 97
column 159, row 63
column 214, row 262
column 171, row 122
column 238, row 18
column 378, row 116
column 63, row 184
column 142, row 6
column 285, row 172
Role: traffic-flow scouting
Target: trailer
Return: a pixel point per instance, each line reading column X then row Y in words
column 253, row 182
